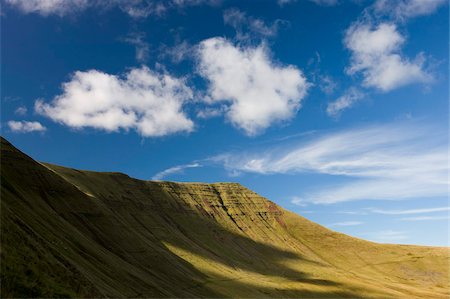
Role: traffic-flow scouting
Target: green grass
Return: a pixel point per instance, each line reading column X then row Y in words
column 71, row 233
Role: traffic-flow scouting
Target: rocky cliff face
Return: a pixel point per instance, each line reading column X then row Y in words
column 71, row 233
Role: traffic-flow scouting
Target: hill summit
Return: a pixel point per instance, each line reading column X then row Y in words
column 73, row 233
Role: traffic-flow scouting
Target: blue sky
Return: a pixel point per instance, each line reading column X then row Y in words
column 337, row 110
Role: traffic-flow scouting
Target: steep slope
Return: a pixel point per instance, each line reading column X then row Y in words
column 71, row 233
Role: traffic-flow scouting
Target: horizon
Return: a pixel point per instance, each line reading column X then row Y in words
column 221, row 182
column 344, row 122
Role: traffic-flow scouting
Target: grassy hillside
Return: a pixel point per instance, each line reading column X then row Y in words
column 71, row 233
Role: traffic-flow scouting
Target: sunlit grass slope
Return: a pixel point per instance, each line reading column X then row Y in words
column 71, row 233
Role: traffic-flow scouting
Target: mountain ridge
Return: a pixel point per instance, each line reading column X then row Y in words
column 73, row 233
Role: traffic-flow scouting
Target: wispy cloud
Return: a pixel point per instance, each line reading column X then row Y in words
column 352, row 212
column 208, row 112
column 298, row 201
column 347, row 223
column 174, row 170
column 386, row 162
column 386, row 236
column 408, row 212
column 327, row 84
column 137, row 39
column 318, row 2
column 182, row 50
column 21, row 110
column 248, row 27
column 425, row 218
column 347, row 100
column 402, row 10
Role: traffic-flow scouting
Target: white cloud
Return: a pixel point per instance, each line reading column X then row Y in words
column 49, row 7
column 259, row 91
column 375, row 54
column 134, row 8
column 405, row 9
column 143, row 100
column 137, row 39
column 347, row 223
column 26, row 126
column 173, row 170
column 425, row 218
column 347, row 100
column 248, row 27
column 408, row 212
column 21, row 110
column 386, row 162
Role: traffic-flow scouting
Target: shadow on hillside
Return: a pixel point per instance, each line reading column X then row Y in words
column 169, row 220
column 118, row 240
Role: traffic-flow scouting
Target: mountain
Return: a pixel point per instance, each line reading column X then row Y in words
column 72, row 233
